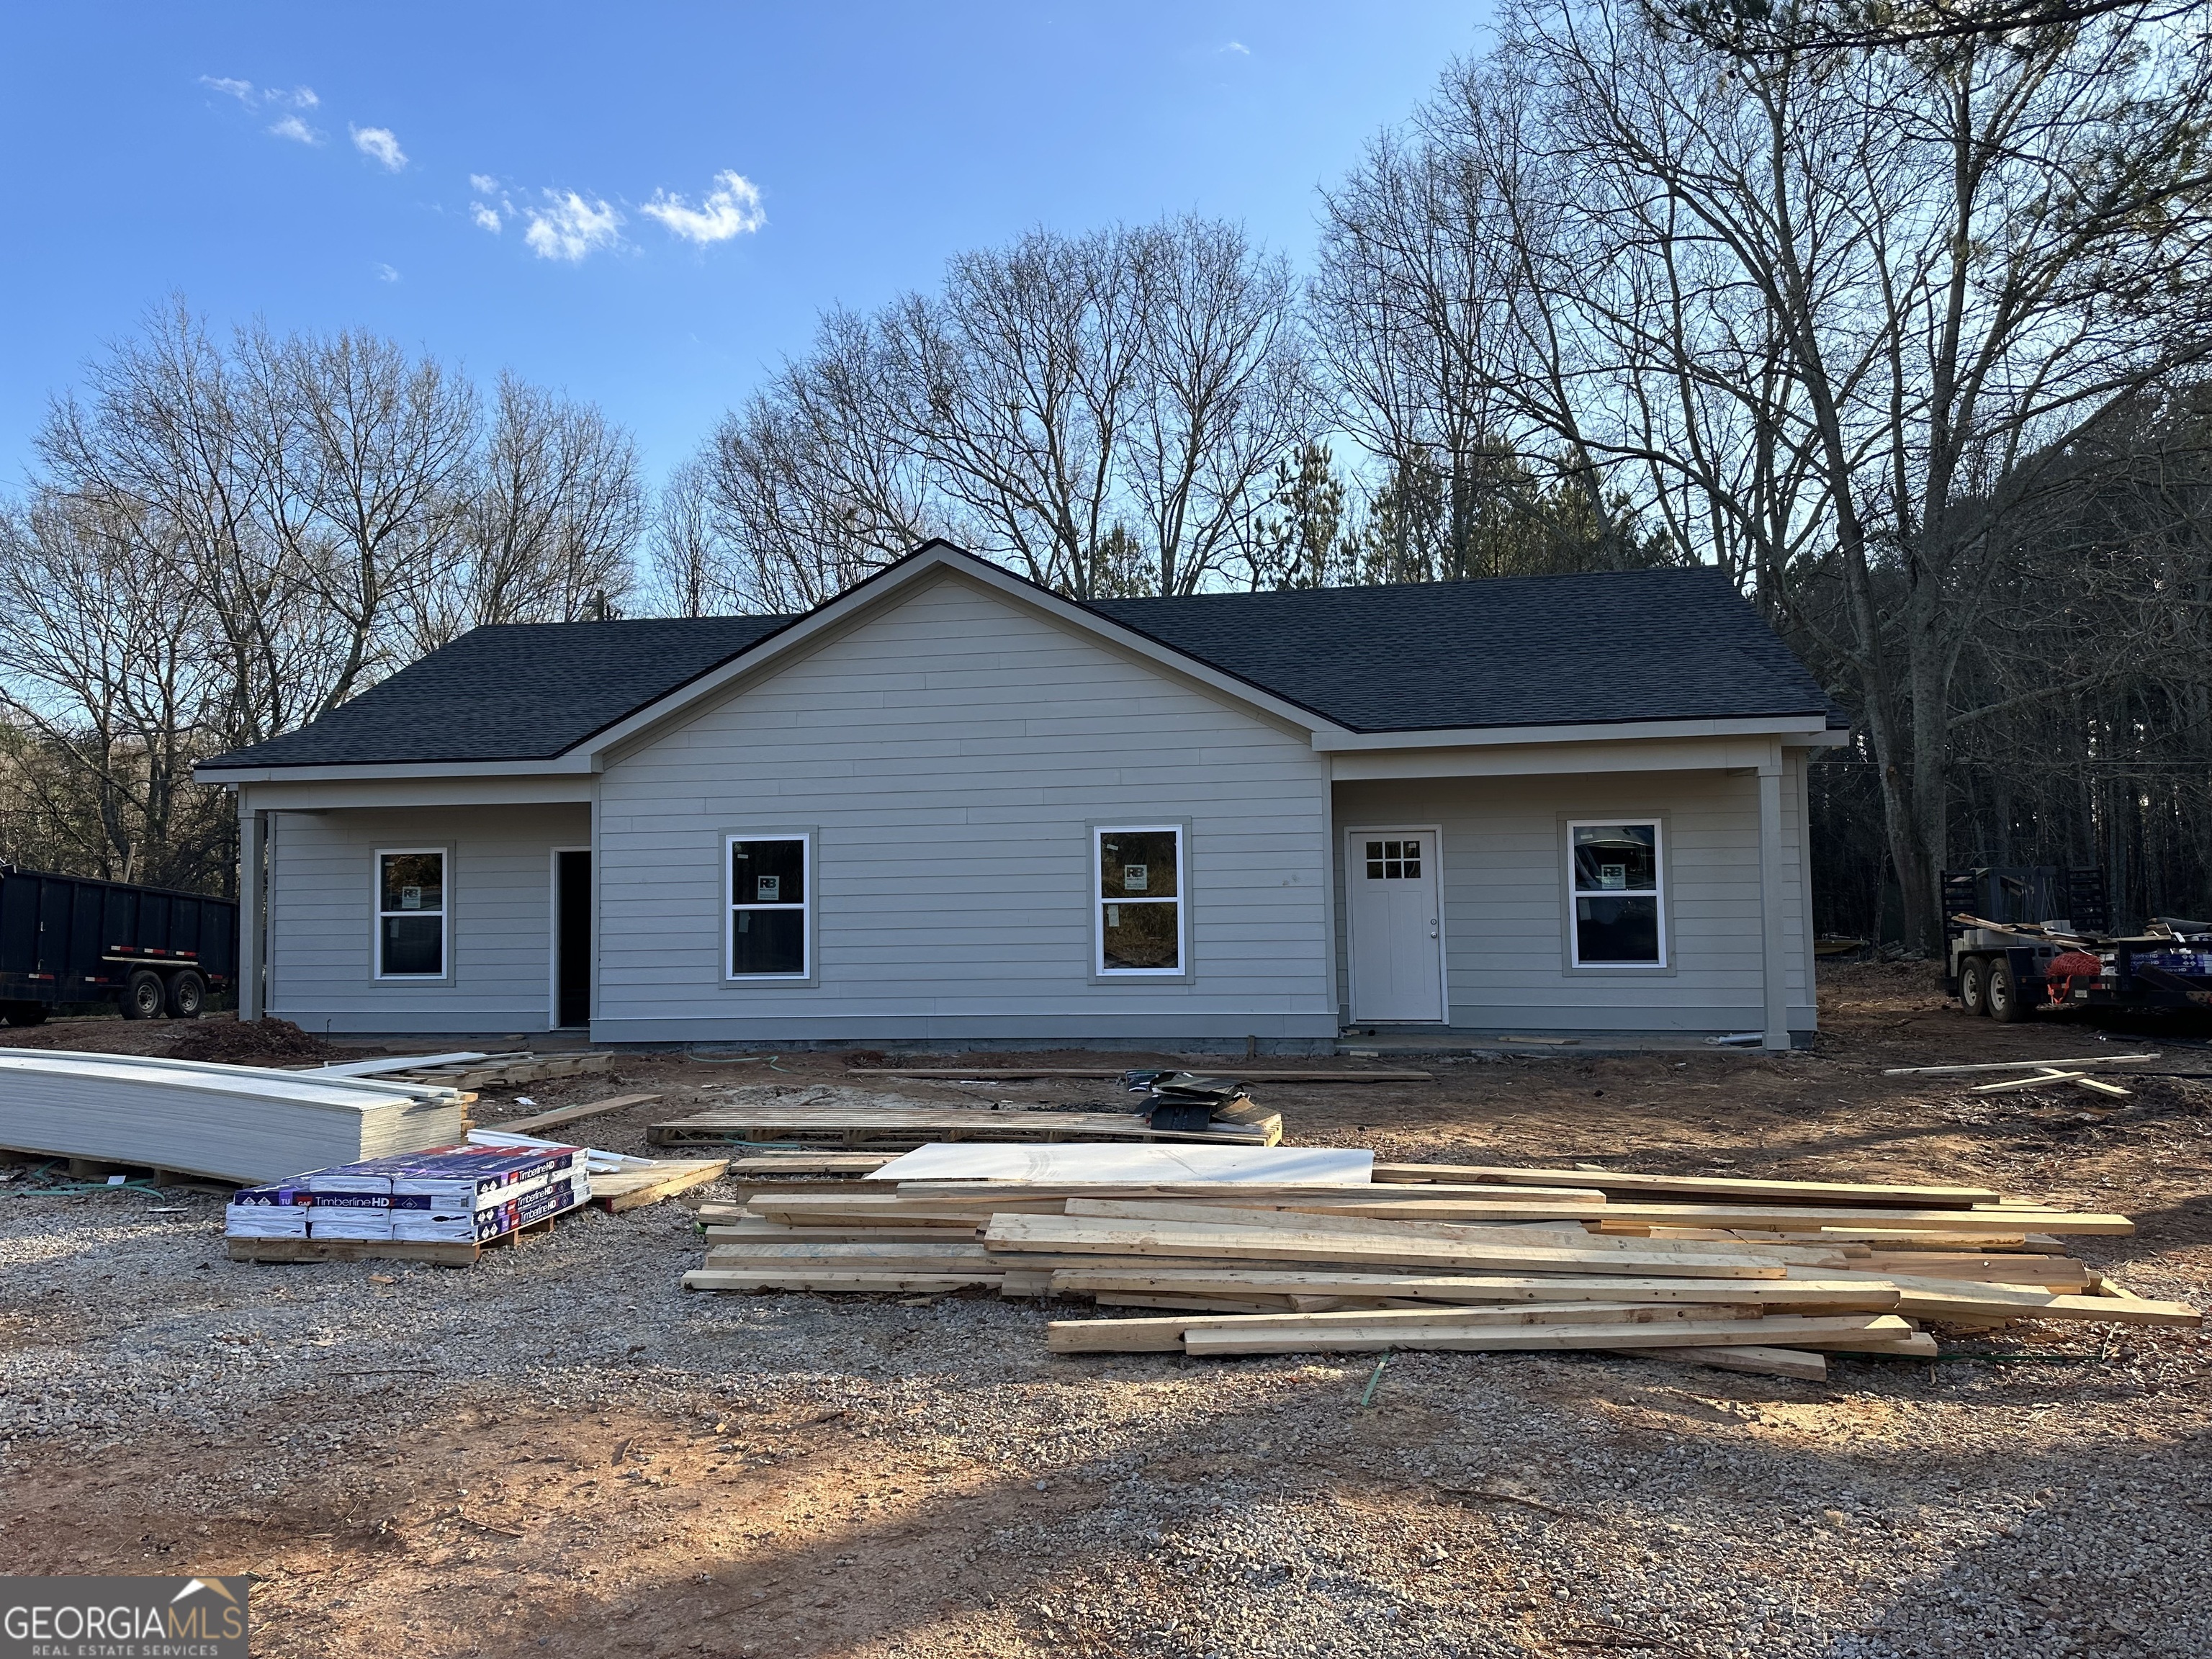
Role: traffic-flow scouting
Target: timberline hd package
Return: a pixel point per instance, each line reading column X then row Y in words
column 458, row 1194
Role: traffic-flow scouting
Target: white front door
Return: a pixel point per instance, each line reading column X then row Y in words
column 1396, row 924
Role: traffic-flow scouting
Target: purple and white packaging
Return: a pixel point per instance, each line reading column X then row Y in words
column 277, row 1211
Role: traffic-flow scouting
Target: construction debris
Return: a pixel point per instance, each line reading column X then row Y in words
column 1017, row 1073
column 848, row 1117
column 1740, row 1279
column 238, row 1123
column 2041, row 1073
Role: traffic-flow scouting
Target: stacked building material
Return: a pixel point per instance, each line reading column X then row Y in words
column 463, row 1196
column 245, row 1123
column 1766, row 1276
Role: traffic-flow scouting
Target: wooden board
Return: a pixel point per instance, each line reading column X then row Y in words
column 1217, row 1338
column 1077, row 1234
column 441, row 1255
column 1478, row 1288
column 1079, row 1166
column 1009, row 1073
column 635, row 1187
column 1716, row 1187
column 800, row 1164
column 524, row 1125
column 709, row 1278
column 910, row 1127
column 1758, row 1360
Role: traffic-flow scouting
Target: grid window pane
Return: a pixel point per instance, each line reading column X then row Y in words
column 1141, row 935
column 768, row 941
column 768, row 872
column 1617, row 930
column 1394, row 861
column 1614, row 858
column 414, row 945
column 412, row 881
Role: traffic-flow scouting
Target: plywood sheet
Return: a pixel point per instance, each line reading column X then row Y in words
column 1077, row 1162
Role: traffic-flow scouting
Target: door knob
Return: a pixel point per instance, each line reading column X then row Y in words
column 1432, row 926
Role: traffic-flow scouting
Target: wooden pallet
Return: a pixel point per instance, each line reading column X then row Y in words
column 503, row 1072
column 379, row 1250
column 635, row 1187
column 906, row 1127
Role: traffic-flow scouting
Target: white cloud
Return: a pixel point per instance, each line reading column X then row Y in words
column 1239, row 48
column 379, row 145
column 299, row 97
column 297, row 131
column 484, row 184
column 486, row 217
column 571, row 227
column 241, row 90
column 386, row 274
column 732, row 207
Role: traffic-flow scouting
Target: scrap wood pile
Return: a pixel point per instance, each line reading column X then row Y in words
column 1200, row 1110
column 1766, row 1276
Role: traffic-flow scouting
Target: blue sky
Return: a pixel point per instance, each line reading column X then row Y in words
column 678, row 189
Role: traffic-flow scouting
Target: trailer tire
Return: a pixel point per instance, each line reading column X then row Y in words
column 24, row 1013
column 144, row 996
column 1974, row 985
column 2007, row 1004
column 188, row 994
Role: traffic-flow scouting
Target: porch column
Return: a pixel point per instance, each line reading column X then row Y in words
column 252, row 907
column 1776, row 1033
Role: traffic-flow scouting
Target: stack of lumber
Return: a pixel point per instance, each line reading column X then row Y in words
column 833, row 1117
column 1751, row 1275
column 238, row 1123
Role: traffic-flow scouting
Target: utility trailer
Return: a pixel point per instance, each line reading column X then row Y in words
column 2019, row 939
column 149, row 950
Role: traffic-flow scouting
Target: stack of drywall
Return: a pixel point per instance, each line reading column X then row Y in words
column 231, row 1123
column 1767, row 1276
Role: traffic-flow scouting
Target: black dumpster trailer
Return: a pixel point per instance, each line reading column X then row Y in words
column 149, row 950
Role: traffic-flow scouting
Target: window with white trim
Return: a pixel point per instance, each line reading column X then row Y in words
column 411, row 913
column 1139, row 915
column 770, row 894
column 1614, row 872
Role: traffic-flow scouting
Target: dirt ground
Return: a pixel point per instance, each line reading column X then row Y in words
column 560, row 1451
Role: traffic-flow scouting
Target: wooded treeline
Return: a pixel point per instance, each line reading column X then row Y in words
column 1899, row 315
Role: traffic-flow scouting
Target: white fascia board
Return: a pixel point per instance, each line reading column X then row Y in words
column 571, row 764
column 1542, row 759
column 932, row 563
column 1794, row 726
column 294, row 795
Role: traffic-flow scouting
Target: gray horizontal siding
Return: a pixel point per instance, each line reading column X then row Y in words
column 1504, row 899
column 321, row 921
column 948, row 754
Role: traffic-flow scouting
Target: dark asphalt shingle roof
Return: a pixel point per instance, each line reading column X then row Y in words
column 513, row 691
column 1615, row 646
column 1634, row 645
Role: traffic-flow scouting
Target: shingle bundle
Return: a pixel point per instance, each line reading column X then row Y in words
column 1768, row 1276
column 446, row 1196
